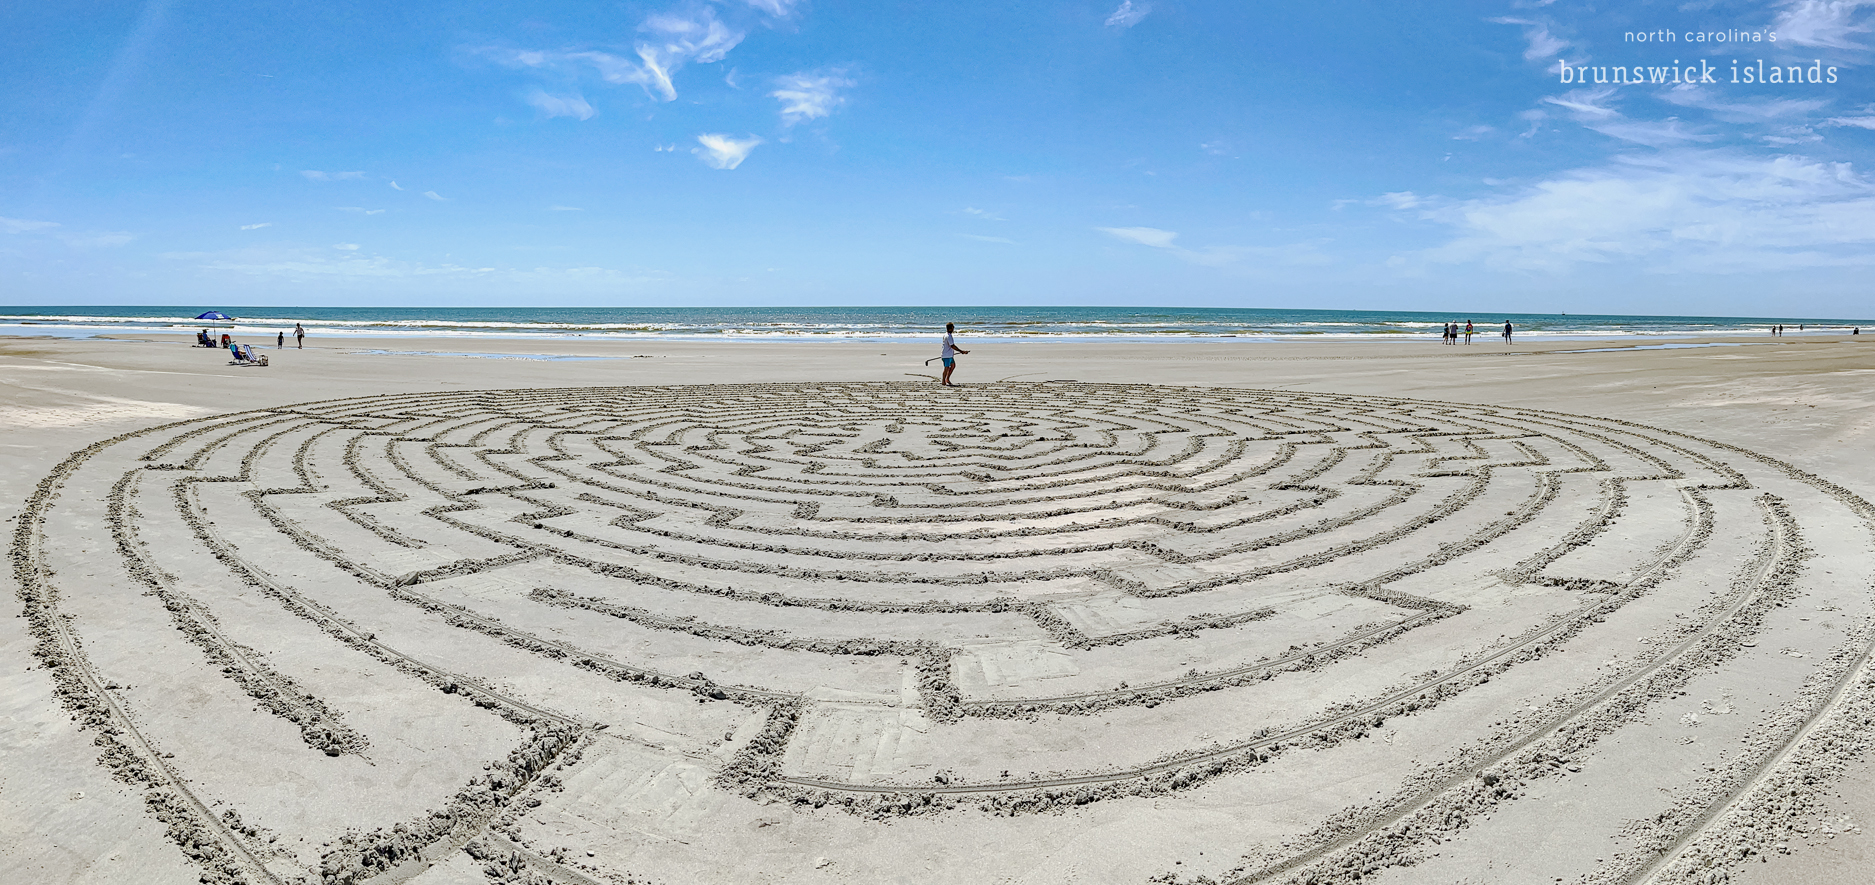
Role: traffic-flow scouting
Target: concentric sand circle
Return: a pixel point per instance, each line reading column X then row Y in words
column 1322, row 635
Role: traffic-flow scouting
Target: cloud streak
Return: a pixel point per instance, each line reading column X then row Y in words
column 1128, row 15
column 1144, row 236
column 574, row 105
column 806, row 96
column 1219, row 256
column 1677, row 211
column 316, row 175
column 73, row 239
column 1539, row 42
column 723, row 152
column 1830, row 24
column 673, row 40
column 22, row 225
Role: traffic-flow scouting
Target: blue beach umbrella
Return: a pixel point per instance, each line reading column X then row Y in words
column 214, row 315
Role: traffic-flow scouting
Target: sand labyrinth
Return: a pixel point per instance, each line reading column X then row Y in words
column 547, row 634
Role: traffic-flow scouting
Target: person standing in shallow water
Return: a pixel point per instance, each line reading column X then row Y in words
column 949, row 353
column 1468, row 331
column 1507, row 331
column 299, row 336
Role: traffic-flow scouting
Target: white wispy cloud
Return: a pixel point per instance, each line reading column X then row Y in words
column 359, row 209
column 982, row 238
column 776, row 8
column 674, row 40
column 345, row 247
column 1672, row 211
column 1539, row 42
column 316, row 175
column 574, row 105
column 1593, row 109
column 723, row 152
column 1128, row 15
column 396, row 187
column 1398, row 200
column 1145, row 236
column 984, row 214
column 23, row 225
column 1743, row 110
column 75, row 239
column 1832, row 24
column 436, row 196
column 257, row 226
column 810, row 96
column 1220, row 256
column 103, row 239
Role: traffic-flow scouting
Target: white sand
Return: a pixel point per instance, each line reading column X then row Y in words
column 1108, row 612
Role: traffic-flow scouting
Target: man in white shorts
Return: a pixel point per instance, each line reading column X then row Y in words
column 949, row 353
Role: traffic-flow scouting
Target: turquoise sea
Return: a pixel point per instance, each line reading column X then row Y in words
column 851, row 323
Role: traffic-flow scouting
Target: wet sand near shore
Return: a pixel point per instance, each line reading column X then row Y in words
column 1245, row 611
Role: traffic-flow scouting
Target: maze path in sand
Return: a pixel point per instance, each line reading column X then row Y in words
column 636, row 608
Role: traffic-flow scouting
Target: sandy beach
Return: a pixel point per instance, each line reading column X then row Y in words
column 507, row 610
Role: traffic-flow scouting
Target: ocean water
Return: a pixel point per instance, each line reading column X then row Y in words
column 857, row 323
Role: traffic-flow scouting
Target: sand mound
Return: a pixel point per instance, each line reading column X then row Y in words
column 589, row 635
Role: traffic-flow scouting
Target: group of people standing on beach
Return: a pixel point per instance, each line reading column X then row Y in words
column 1453, row 330
column 244, row 353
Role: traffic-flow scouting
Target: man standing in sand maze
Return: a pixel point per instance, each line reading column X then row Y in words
column 949, row 353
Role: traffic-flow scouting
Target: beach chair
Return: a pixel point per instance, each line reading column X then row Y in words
column 244, row 355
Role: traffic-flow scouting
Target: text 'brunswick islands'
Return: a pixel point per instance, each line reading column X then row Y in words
column 1753, row 73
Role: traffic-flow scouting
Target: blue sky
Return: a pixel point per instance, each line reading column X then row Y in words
column 754, row 152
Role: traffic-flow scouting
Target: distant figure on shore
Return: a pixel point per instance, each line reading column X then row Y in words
column 1507, row 331
column 949, row 353
column 299, row 336
column 1858, row 331
column 1468, row 331
column 280, row 342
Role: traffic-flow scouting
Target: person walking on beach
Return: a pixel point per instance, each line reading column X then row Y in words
column 1468, row 331
column 299, row 336
column 280, row 341
column 1507, row 331
column 949, row 353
